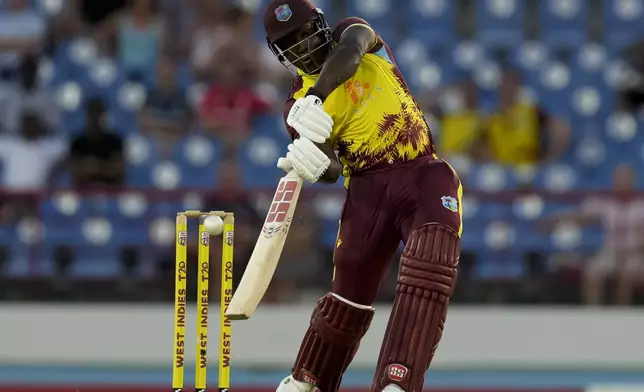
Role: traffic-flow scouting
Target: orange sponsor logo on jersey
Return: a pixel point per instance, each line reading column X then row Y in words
column 357, row 90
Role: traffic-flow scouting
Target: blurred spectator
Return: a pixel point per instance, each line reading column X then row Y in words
column 519, row 132
column 206, row 37
column 21, row 32
column 182, row 18
column 28, row 157
column 96, row 156
column 27, row 95
column 78, row 16
column 502, row 260
column 461, row 120
column 95, row 12
column 166, row 113
column 227, row 35
column 136, row 35
column 633, row 95
column 230, row 105
column 28, row 162
column 217, row 31
column 622, row 255
column 234, row 197
column 67, row 24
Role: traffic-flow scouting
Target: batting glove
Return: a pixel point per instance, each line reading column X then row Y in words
column 308, row 161
column 308, row 118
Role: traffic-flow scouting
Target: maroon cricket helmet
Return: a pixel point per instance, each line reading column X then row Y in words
column 285, row 17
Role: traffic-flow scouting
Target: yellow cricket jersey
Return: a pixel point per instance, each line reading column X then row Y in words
column 514, row 135
column 375, row 117
column 460, row 131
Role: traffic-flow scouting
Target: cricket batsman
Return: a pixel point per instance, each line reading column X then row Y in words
column 348, row 96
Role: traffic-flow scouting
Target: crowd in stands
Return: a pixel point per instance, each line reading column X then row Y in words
column 115, row 115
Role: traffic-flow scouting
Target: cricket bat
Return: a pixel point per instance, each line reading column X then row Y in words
column 268, row 249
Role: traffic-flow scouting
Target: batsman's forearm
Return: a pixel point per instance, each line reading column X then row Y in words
column 340, row 66
column 334, row 171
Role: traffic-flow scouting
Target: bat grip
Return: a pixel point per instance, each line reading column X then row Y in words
column 292, row 174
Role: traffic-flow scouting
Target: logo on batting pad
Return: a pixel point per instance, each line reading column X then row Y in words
column 308, row 377
column 396, row 372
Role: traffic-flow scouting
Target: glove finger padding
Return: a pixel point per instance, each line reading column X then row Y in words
column 309, row 150
column 304, row 129
column 307, row 159
column 310, row 120
column 304, row 159
column 300, row 168
column 313, row 129
column 320, row 114
column 312, row 149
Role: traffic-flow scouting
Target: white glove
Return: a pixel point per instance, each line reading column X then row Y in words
column 308, row 118
column 308, row 161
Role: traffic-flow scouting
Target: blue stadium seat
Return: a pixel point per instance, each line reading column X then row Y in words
column 558, row 177
column 129, row 214
column 563, row 16
column 381, row 14
column 495, row 18
column 257, row 158
column 472, row 238
column 73, row 122
column 571, row 77
column 623, row 22
column 64, row 208
column 427, row 46
column 65, row 67
column 439, row 14
column 271, row 126
column 593, row 238
column 7, row 234
column 499, row 48
column 101, row 80
column 499, row 265
column 529, row 239
column 95, row 262
column 198, row 158
column 491, row 178
column 493, row 210
column 142, row 155
column 17, row 266
column 563, row 46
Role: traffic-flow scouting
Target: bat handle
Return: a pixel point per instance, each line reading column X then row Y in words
column 292, row 174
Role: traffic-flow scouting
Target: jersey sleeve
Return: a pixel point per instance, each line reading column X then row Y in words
column 348, row 22
column 297, row 86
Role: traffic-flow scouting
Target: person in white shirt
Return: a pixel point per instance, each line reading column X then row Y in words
column 27, row 159
column 27, row 95
column 621, row 216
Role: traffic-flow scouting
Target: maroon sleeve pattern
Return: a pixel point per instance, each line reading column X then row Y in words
column 297, row 86
column 346, row 22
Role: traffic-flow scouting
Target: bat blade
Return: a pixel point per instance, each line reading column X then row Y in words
column 268, row 249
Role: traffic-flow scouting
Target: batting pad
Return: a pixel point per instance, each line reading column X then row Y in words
column 426, row 281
